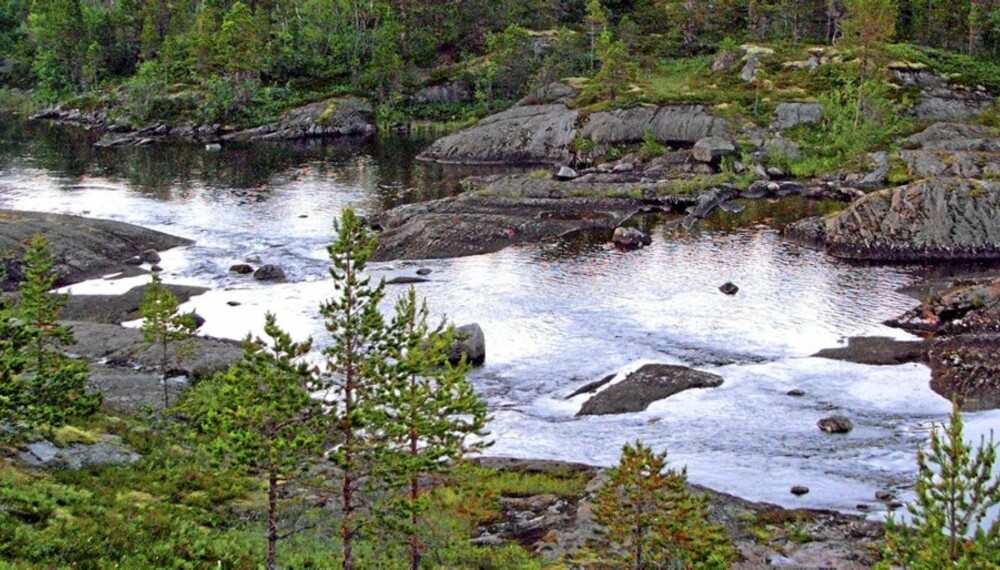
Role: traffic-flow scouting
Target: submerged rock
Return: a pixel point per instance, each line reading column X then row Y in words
column 729, row 288
column 651, row 383
column 630, row 238
column 835, row 424
column 876, row 351
column 241, row 269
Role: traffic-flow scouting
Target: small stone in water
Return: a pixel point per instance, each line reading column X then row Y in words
column 423, row 271
column 799, row 490
column 797, row 392
column 729, row 288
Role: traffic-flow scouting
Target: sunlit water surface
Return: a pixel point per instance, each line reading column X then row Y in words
column 556, row 315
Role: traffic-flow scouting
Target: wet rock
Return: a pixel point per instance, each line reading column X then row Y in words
column 498, row 211
column 796, row 392
column 885, row 495
column 241, row 269
column 156, row 269
column 470, row 342
column 83, row 248
column 729, row 288
column 789, row 115
column 967, row 368
column 424, row 271
column 835, row 424
column 711, row 149
column 233, row 303
column 405, row 280
column 651, row 383
column 807, row 232
column 876, row 351
column 115, row 309
column 133, row 261
column 937, row 219
column 566, row 173
column 630, row 238
column 591, row 387
column 269, row 273
column 799, row 490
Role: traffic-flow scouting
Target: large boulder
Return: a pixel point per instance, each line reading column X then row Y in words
column 669, row 124
column 46, row 455
column 788, row 115
column 711, row 149
column 533, row 134
column 470, row 343
column 83, row 248
column 937, row 219
column 967, row 368
column 651, row 383
column 339, row 117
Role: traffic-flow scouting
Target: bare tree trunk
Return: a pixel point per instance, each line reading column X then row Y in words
column 272, row 518
column 415, row 554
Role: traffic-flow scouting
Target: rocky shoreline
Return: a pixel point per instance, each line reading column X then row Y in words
column 344, row 117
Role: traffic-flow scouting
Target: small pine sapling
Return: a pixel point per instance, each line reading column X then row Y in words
column 163, row 326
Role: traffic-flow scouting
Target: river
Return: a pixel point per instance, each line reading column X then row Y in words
column 556, row 315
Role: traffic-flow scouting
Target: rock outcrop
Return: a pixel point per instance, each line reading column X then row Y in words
column 83, row 248
column 543, row 134
column 342, row 117
column 936, row 219
column 533, row 134
column 651, row 383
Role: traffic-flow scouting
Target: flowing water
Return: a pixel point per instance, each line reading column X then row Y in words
column 556, row 315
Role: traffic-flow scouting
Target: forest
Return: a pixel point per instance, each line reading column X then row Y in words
column 244, row 61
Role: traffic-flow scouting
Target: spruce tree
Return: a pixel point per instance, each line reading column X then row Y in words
column 359, row 336
column 261, row 416
column 15, row 339
column 426, row 410
column 956, row 489
column 164, row 326
column 39, row 308
column 647, row 510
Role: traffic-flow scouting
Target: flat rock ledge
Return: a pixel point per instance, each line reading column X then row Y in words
column 83, row 248
column 651, row 383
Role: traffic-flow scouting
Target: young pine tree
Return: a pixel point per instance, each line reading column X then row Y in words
column 426, row 411
column 261, row 416
column 42, row 387
column 647, row 510
column 359, row 342
column 164, row 326
column 869, row 25
column 956, row 489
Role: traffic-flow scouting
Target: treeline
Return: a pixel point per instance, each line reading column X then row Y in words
column 383, row 48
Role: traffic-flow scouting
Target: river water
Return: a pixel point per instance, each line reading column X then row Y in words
column 556, row 315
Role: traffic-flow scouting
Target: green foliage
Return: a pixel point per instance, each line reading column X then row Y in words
column 651, row 148
column 163, row 326
column 39, row 386
column 648, row 511
column 426, row 411
column 956, row 488
column 261, row 416
column 146, row 93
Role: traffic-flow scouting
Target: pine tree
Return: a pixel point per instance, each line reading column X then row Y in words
column 647, row 509
column 869, row 25
column 426, row 409
column 42, row 388
column 38, row 307
column 359, row 342
column 262, row 417
column 956, row 489
column 597, row 23
column 164, row 326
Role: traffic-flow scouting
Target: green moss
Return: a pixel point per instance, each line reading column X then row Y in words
column 68, row 435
